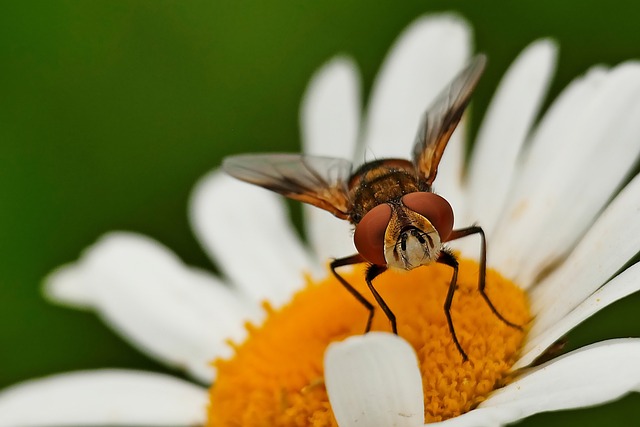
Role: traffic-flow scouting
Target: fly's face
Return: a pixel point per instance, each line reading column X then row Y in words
column 411, row 241
column 407, row 234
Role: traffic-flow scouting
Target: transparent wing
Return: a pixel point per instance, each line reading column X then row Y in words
column 319, row 181
column 442, row 117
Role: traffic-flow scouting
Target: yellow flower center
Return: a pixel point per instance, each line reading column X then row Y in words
column 275, row 377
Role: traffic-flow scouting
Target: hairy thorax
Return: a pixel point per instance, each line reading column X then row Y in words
column 381, row 181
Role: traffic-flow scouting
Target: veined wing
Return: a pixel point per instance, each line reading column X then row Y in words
column 441, row 119
column 319, row 181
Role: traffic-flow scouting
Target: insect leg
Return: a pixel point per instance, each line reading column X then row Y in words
column 447, row 258
column 463, row 232
column 350, row 260
column 372, row 272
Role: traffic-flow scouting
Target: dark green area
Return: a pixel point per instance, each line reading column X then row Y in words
column 110, row 111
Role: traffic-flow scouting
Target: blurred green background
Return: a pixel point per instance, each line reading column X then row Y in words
column 110, row 111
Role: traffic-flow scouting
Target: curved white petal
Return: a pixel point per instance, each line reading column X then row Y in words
column 504, row 129
column 105, row 397
column 374, row 380
column 178, row 315
column 246, row 230
column 538, row 340
column 424, row 59
column 562, row 189
column 590, row 376
column 330, row 122
column 608, row 245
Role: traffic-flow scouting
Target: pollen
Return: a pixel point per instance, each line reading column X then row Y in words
column 275, row 378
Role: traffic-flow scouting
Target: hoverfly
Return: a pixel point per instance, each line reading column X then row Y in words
column 399, row 221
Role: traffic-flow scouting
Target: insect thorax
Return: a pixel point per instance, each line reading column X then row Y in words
column 381, row 181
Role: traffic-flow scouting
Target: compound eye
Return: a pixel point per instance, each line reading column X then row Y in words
column 433, row 207
column 369, row 234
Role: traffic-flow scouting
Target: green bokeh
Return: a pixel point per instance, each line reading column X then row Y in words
column 110, row 111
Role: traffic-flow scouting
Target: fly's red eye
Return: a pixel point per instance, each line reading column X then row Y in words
column 369, row 234
column 433, row 207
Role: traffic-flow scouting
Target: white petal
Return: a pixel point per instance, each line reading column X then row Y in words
column 590, row 376
column 246, row 230
column 374, row 380
column 178, row 315
column 329, row 236
column 330, row 122
column 67, row 286
column 450, row 173
column 551, row 135
column 610, row 243
column 449, row 183
column 589, row 151
column 330, row 110
column 504, row 129
column 106, row 397
column 424, row 59
column 538, row 340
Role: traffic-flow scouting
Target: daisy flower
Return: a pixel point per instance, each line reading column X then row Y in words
column 560, row 225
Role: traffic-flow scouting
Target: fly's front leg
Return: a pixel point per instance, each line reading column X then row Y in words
column 447, row 258
column 350, row 260
column 482, row 279
column 372, row 272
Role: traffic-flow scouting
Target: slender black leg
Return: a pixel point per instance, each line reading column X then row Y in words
column 449, row 259
column 350, row 260
column 372, row 272
column 463, row 232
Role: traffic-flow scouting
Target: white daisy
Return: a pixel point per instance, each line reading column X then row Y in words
column 550, row 226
